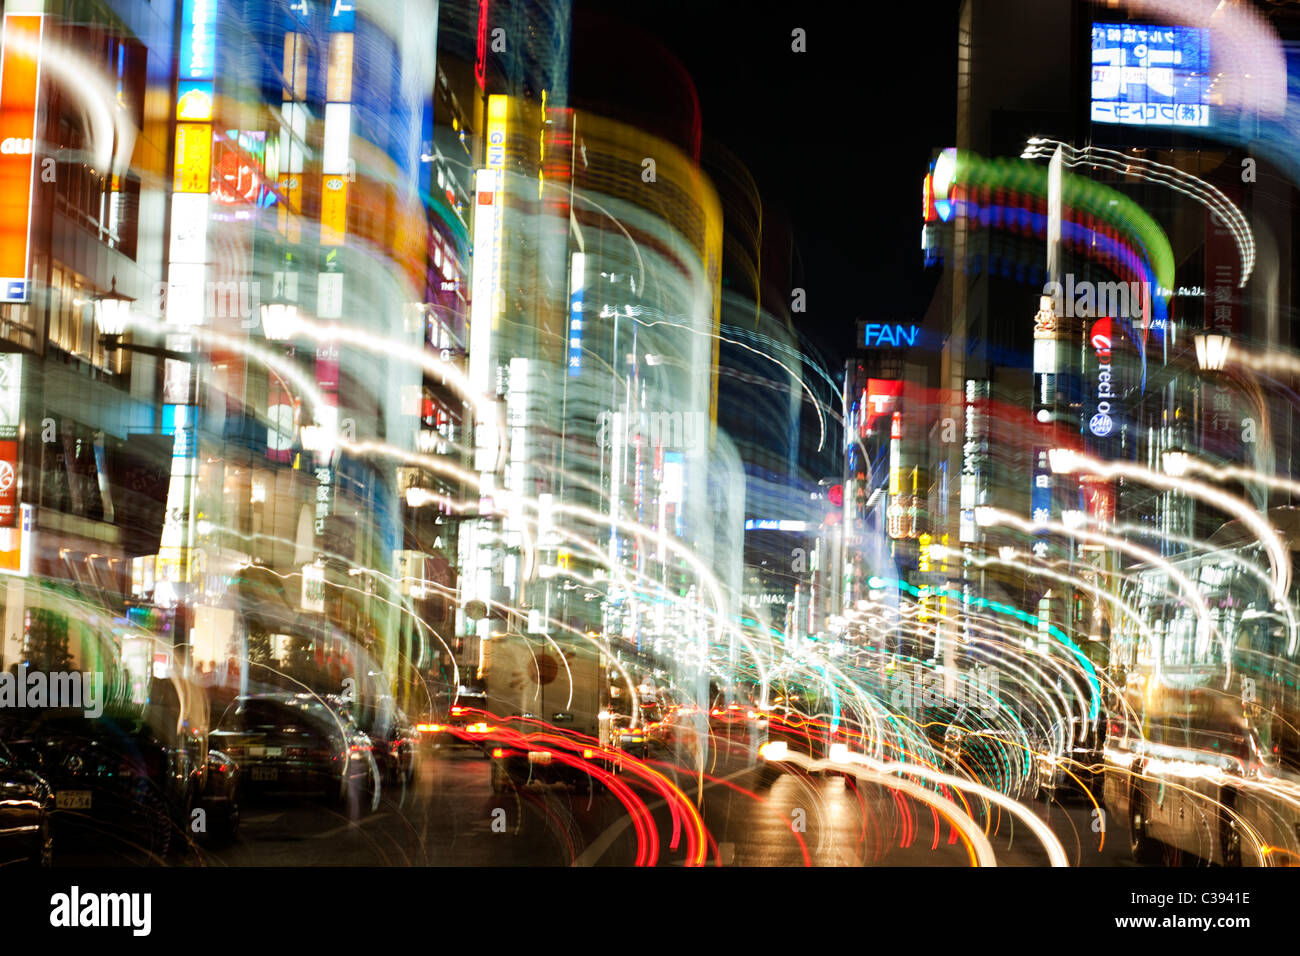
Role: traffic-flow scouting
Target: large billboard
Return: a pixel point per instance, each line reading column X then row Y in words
column 1147, row 75
column 19, row 85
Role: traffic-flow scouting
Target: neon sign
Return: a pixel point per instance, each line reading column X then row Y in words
column 893, row 335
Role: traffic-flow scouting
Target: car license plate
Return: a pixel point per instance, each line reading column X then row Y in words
column 539, row 756
column 265, row 773
column 257, row 751
column 72, row 800
column 275, row 751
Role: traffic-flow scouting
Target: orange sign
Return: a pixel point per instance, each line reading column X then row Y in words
column 193, row 172
column 291, row 193
column 333, row 211
column 19, row 84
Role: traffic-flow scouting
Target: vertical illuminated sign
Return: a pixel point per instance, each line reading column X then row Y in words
column 19, row 89
column 480, row 46
column 1220, row 420
column 11, row 390
column 186, row 303
column 895, row 510
column 481, row 314
column 973, row 457
column 575, row 313
column 336, row 171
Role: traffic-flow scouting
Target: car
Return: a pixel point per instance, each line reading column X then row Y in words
column 220, row 799
column 297, row 744
column 1002, row 759
column 26, row 802
column 452, row 730
column 130, row 777
column 394, row 738
column 1070, row 765
column 633, row 740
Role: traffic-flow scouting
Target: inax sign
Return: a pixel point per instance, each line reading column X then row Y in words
column 889, row 335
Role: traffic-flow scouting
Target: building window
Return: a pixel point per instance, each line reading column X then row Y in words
column 105, row 204
column 72, row 321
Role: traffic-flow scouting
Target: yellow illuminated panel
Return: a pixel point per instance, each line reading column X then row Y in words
column 333, row 211
column 496, row 132
column 291, row 189
column 193, row 169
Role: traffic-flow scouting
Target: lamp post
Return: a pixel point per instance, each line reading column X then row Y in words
column 279, row 318
column 112, row 315
column 1212, row 350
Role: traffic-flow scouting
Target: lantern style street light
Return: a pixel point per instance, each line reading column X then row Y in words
column 279, row 318
column 112, row 314
column 1212, row 350
column 112, row 311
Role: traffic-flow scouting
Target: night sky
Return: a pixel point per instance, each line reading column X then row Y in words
column 838, row 137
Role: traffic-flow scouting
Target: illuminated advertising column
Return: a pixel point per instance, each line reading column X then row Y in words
column 336, row 170
column 476, row 556
column 185, row 299
column 19, row 93
column 1047, row 353
column 974, row 456
column 1220, row 421
column 19, row 96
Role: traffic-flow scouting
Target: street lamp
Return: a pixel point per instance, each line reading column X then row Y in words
column 1176, row 462
column 279, row 318
column 1212, row 350
column 112, row 312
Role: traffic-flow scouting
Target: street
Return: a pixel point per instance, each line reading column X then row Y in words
column 449, row 816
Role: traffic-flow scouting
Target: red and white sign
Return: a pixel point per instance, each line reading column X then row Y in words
column 19, row 88
column 879, row 400
column 8, row 484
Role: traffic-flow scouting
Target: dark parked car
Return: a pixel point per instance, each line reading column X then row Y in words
column 221, row 797
column 296, row 743
column 25, row 804
column 131, row 777
column 394, row 740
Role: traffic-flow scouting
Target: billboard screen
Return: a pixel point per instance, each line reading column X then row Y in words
column 1146, row 75
column 19, row 83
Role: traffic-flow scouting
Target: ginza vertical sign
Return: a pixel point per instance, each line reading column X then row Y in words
column 19, row 85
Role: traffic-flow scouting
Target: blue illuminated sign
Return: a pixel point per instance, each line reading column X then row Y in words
column 198, row 39
column 343, row 15
column 1150, row 75
column 774, row 524
column 575, row 314
column 877, row 336
column 575, row 332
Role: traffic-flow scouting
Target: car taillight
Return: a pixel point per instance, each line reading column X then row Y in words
column 498, row 752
